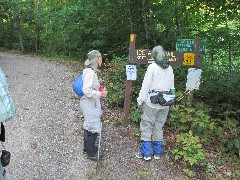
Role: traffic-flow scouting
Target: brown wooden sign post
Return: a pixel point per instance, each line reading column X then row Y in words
column 143, row 56
column 128, row 86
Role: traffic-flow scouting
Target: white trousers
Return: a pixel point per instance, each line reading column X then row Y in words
column 92, row 114
column 152, row 121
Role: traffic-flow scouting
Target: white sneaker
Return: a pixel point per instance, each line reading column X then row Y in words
column 139, row 155
column 156, row 156
column 147, row 158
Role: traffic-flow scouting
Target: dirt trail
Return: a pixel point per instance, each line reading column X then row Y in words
column 45, row 137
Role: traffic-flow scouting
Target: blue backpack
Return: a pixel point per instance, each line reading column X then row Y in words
column 78, row 85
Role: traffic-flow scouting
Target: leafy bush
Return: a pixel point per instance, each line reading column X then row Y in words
column 219, row 87
column 135, row 114
column 189, row 148
column 229, row 139
column 183, row 119
column 114, row 77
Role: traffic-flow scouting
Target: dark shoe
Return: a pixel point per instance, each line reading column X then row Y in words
column 90, row 147
column 95, row 149
column 85, row 137
column 89, row 141
column 94, row 157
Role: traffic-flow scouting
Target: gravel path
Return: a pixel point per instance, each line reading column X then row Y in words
column 45, row 138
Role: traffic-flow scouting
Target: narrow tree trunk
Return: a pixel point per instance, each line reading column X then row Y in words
column 145, row 22
column 186, row 18
column 20, row 34
column 229, row 56
column 178, row 24
column 130, row 16
column 229, row 47
column 212, row 57
column 37, row 42
column 2, row 44
column 53, row 45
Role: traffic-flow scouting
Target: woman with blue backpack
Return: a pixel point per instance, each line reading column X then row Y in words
column 90, row 103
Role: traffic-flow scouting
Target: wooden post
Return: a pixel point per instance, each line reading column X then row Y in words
column 127, row 102
column 190, row 98
column 196, row 48
column 128, row 88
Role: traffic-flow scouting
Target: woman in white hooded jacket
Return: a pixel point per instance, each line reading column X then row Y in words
column 90, row 103
column 159, row 77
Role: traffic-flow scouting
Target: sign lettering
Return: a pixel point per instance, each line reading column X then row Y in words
column 171, row 56
column 187, row 45
column 143, row 56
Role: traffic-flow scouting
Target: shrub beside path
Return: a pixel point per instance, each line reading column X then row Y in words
column 45, row 137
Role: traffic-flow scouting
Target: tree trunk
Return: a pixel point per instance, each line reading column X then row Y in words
column 37, row 42
column 20, row 34
column 145, row 23
column 229, row 47
column 212, row 58
column 53, row 46
column 186, row 18
column 130, row 15
column 229, row 56
column 178, row 24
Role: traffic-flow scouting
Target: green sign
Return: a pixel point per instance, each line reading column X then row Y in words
column 187, row 45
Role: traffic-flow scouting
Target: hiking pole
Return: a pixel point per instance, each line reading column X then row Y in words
column 100, row 134
column 99, row 147
column 189, row 90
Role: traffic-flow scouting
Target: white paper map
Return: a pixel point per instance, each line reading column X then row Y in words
column 131, row 72
column 193, row 78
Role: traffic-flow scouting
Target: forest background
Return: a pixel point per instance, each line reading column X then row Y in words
column 69, row 29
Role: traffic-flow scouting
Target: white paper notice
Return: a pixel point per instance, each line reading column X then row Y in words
column 193, row 78
column 131, row 72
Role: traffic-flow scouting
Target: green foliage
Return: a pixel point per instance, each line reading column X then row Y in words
column 229, row 139
column 189, row 172
column 189, row 148
column 184, row 119
column 114, row 77
column 196, row 119
column 137, row 133
column 144, row 174
column 221, row 86
column 135, row 114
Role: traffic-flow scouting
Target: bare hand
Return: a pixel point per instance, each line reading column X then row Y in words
column 104, row 93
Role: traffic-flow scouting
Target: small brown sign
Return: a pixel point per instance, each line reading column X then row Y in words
column 143, row 56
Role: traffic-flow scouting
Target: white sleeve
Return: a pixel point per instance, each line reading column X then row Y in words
column 172, row 81
column 88, row 90
column 146, row 85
